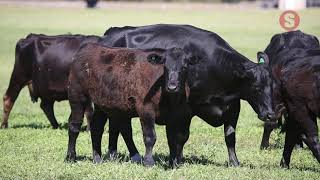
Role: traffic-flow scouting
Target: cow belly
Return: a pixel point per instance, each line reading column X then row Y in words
column 210, row 114
column 215, row 122
column 49, row 91
column 54, row 95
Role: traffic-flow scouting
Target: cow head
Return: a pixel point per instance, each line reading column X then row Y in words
column 176, row 64
column 278, row 104
column 259, row 89
column 290, row 40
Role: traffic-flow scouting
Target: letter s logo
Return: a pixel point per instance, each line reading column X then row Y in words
column 289, row 20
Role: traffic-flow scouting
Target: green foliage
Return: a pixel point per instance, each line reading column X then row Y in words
column 30, row 149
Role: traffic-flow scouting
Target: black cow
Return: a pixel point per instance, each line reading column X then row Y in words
column 123, row 83
column 296, row 71
column 43, row 62
column 281, row 46
column 218, row 78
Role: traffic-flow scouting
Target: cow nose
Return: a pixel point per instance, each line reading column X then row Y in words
column 172, row 87
column 173, row 81
column 271, row 116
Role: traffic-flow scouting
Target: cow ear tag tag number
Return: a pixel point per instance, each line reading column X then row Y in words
column 261, row 61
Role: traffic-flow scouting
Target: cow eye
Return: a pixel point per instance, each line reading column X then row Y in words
column 193, row 60
column 155, row 59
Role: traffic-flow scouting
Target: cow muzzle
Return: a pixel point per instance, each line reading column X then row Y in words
column 270, row 116
column 173, row 83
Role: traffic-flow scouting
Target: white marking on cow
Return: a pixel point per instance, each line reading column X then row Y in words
column 229, row 131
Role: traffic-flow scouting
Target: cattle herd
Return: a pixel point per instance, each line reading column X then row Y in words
column 166, row 74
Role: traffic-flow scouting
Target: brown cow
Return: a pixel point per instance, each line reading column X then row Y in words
column 279, row 51
column 122, row 83
column 299, row 78
column 43, row 62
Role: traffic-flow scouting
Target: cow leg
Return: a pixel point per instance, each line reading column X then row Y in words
column 77, row 113
column 177, row 140
column 268, row 128
column 177, row 129
column 123, row 125
column 114, row 132
column 17, row 82
column 89, row 115
column 149, row 136
column 182, row 138
column 283, row 126
column 299, row 143
column 171, row 137
column 78, row 102
column 126, row 132
column 97, row 124
column 231, row 119
column 7, row 106
column 31, row 92
column 310, row 136
column 290, row 141
column 314, row 145
column 292, row 132
column 47, row 107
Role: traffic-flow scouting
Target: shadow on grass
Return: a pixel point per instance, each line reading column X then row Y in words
column 162, row 160
column 306, row 169
column 84, row 158
column 42, row 126
column 299, row 168
column 31, row 125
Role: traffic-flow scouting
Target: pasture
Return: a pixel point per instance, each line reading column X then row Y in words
column 30, row 149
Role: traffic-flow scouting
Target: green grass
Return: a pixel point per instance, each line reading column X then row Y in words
column 30, row 149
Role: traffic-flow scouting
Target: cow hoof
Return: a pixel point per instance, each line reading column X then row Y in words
column 284, row 164
column 112, row 154
column 136, row 158
column 298, row 146
column 97, row 159
column 174, row 163
column 148, row 162
column 4, row 125
column 233, row 164
column 264, row 146
column 55, row 125
column 71, row 158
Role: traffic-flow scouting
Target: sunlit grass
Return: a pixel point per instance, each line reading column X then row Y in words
column 30, row 149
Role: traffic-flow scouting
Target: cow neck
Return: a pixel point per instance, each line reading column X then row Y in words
column 238, row 70
column 234, row 67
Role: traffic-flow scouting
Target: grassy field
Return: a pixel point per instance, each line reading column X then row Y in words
column 30, row 149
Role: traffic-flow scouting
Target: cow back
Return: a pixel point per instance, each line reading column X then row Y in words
column 53, row 57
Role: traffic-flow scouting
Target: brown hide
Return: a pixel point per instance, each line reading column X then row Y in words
column 117, row 78
column 42, row 63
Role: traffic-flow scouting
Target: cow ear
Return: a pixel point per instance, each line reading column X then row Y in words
column 315, row 38
column 155, row 59
column 262, row 58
